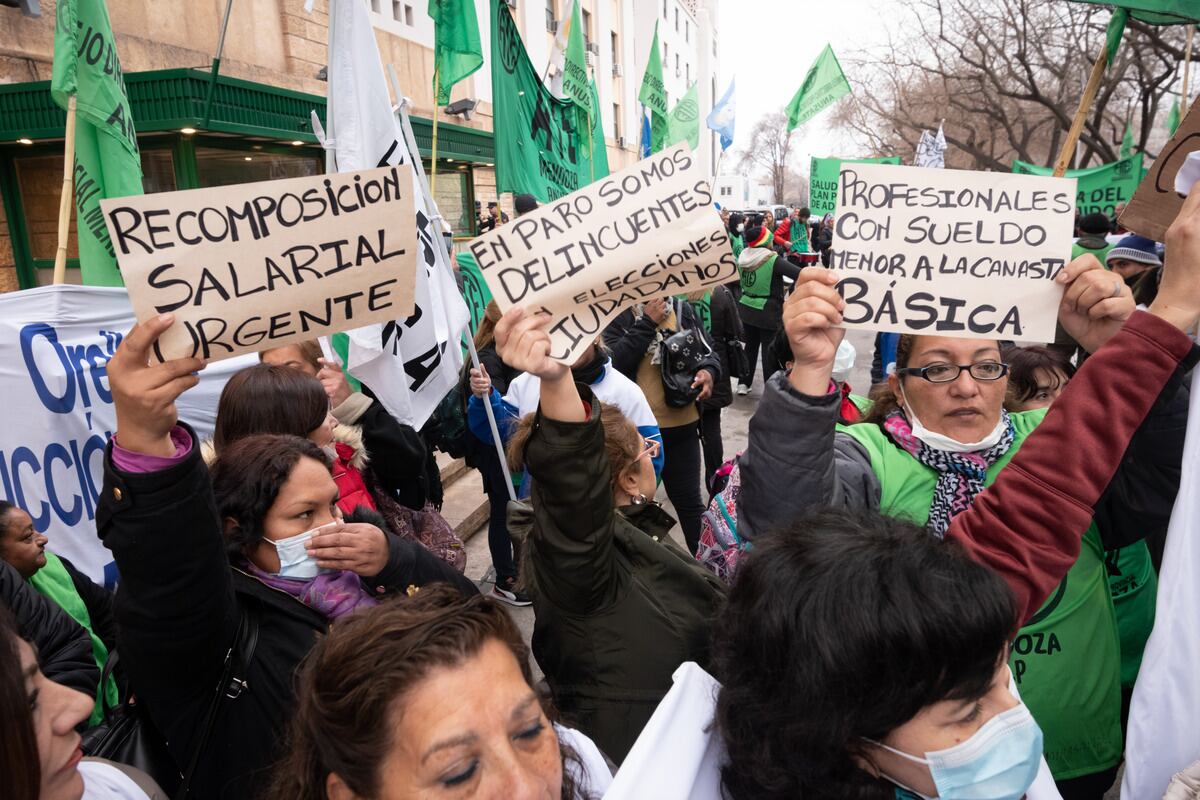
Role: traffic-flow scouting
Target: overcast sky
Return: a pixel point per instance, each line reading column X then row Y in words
column 770, row 44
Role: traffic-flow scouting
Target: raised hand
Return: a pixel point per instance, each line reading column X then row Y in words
column 523, row 343
column 810, row 316
column 1178, row 300
column 1096, row 303
column 656, row 310
column 334, row 381
column 144, row 394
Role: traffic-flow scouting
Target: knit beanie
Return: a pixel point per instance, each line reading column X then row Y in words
column 1138, row 249
column 756, row 236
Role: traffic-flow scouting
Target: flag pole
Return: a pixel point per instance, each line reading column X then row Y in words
column 216, row 64
column 1187, row 65
column 402, row 105
column 1085, row 105
column 437, row 74
column 67, row 200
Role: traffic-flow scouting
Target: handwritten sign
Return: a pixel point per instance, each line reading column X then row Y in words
column 952, row 252
column 258, row 265
column 1156, row 203
column 649, row 231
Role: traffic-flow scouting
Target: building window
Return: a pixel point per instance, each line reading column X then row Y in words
column 665, row 17
column 218, row 166
column 687, row 71
column 616, row 120
column 587, row 29
column 687, row 31
column 666, row 55
column 408, row 15
column 677, row 65
column 677, row 20
column 551, row 22
column 616, row 50
column 376, row 5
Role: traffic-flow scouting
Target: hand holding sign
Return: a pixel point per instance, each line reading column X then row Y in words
column 1095, row 304
column 144, row 394
column 811, row 316
column 1178, row 299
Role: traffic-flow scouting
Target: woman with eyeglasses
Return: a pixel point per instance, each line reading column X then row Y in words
column 618, row 605
column 930, row 445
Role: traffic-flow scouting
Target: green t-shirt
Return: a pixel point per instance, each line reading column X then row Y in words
column 1134, row 587
column 54, row 583
column 1066, row 660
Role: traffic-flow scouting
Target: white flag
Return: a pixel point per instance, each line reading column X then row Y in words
column 931, row 150
column 409, row 364
column 1164, row 718
column 558, row 50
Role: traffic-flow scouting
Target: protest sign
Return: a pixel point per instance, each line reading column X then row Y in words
column 647, row 232
column 1099, row 190
column 823, row 181
column 259, row 265
column 1156, row 203
column 55, row 343
column 952, row 252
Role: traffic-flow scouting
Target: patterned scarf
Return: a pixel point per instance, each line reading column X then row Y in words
column 333, row 594
column 961, row 476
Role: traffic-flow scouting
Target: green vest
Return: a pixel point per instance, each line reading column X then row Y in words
column 1077, row 250
column 799, row 231
column 756, row 284
column 737, row 244
column 1134, row 587
column 1066, row 660
column 54, row 583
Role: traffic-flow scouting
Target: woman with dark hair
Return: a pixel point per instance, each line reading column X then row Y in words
column 40, row 756
column 889, row 645
column 617, row 605
column 262, row 540
column 430, row 696
column 1037, row 375
column 281, row 400
column 1066, row 657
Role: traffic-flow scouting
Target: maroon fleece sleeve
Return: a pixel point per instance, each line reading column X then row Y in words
column 1028, row 525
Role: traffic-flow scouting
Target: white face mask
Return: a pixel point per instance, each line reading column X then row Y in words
column 294, row 560
column 939, row 441
column 843, row 362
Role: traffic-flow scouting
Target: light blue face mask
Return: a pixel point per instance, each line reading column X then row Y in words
column 294, row 560
column 999, row 762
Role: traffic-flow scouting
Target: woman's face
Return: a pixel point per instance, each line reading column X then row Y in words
column 1050, row 384
column 938, row 727
column 307, row 500
column 322, row 435
column 472, row 730
column 20, row 545
column 288, row 356
column 964, row 409
column 56, row 710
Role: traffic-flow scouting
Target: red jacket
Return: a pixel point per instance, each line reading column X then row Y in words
column 1022, row 527
column 352, row 488
column 783, row 234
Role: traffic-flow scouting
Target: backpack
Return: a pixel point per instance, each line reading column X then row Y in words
column 720, row 546
column 447, row 426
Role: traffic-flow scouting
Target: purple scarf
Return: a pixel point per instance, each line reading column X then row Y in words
column 961, row 476
column 332, row 594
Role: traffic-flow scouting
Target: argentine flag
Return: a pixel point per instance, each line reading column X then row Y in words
column 723, row 116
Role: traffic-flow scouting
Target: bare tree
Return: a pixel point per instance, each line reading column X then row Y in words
column 770, row 152
column 1006, row 76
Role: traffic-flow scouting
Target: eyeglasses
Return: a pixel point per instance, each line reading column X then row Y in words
column 650, row 449
column 948, row 373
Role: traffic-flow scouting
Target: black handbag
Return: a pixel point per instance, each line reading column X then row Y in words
column 128, row 735
column 680, row 355
column 736, row 359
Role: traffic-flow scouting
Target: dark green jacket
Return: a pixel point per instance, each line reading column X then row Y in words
column 618, row 605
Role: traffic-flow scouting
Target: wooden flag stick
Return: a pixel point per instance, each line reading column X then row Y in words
column 437, row 74
column 1187, row 66
column 1085, row 105
column 67, row 201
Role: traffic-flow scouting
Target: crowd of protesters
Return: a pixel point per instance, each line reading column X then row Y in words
column 901, row 595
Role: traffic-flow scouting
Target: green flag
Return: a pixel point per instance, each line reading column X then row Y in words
column 599, row 150
column 1153, row 12
column 1173, row 118
column 540, row 147
column 107, row 160
column 1097, row 189
column 684, row 123
column 1127, row 142
column 654, row 95
column 457, row 50
column 575, row 75
column 823, row 85
column 1116, row 29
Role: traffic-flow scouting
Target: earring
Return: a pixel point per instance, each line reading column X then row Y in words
column 640, row 500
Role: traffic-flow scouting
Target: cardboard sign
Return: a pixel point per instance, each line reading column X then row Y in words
column 952, row 252
column 649, row 231
column 258, row 265
column 1155, row 204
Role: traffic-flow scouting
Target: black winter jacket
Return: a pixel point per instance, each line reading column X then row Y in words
column 178, row 607
column 726, row 334
column 628, row 339
column 64, row 648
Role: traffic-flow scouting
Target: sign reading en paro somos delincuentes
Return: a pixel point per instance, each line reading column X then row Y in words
column 649, row 231
column 259, row 265
column 952, row 252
